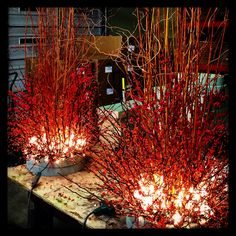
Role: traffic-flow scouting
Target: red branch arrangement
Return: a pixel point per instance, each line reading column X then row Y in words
column 166, row 159
column 54, row 117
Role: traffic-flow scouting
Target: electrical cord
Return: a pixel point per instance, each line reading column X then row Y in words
column 14, row 80
column 86, row 218
column 34, row 184
column 103, row 209
column 108, row 81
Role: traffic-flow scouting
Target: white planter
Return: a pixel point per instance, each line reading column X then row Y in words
column 64, row 167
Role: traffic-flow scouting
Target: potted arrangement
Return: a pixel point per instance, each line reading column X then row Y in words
column 53, row 119
column 170, row 165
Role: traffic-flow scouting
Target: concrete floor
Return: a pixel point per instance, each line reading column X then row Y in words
column 17, row 205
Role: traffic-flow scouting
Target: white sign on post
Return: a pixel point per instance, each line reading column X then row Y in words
column 108, row 69
column 109, row 91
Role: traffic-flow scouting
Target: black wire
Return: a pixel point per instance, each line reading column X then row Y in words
column 14, row 80
column 33, row 185
column 85, row 220
column 28, row 208
column 85, row 189
column 103, row 209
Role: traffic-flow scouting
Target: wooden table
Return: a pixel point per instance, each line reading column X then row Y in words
column 60, row 194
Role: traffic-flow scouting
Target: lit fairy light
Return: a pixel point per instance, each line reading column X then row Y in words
column 145, row 195
column 33, row 140
column 65, row 150
column 80, row 142
column 65, row 143
column 193, row 199
column 177, row 218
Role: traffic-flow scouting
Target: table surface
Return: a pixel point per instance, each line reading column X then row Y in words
column 68, row 197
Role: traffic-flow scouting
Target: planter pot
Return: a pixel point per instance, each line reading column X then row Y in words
column 64, row 167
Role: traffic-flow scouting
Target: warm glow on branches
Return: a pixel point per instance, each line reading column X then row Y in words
column 168, row 163
column 55, row 117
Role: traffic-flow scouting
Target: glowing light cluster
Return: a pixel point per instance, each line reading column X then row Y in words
column 64, row 144
column 153, row 195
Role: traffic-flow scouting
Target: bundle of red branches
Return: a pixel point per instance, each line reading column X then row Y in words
column 46, row 122
column 169, row 163
column 55, row 116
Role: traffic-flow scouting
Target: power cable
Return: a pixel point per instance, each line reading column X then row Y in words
column 34, row 184
column 103, row 209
